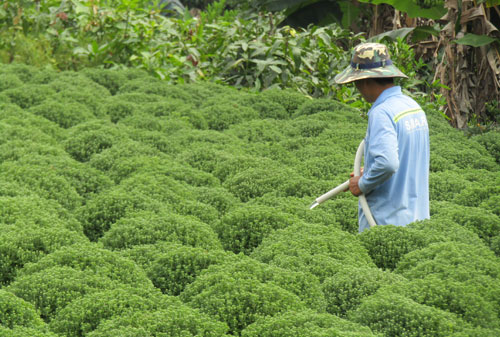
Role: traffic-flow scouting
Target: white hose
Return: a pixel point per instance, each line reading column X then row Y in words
column 345, row 185
column 357, row 173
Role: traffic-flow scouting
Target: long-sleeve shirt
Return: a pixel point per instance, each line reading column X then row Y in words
column 395, row 180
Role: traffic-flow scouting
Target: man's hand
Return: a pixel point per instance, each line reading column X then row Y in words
column 354, row 187
column 353, row 184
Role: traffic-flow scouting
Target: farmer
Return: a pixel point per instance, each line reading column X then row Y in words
column 395, row 179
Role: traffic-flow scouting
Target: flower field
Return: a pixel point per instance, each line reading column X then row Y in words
column 132, row 207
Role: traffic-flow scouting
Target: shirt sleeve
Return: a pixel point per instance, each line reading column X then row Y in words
column 382, row 147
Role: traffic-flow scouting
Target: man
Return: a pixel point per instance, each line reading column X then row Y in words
column 395, row 179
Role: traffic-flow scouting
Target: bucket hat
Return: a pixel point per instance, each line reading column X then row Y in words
column 369, row 60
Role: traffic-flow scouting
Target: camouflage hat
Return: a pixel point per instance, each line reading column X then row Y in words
column 369, row 60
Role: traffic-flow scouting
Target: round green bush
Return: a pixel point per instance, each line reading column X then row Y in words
column 317, row 249
column 15, row 311
column 453, row 260
column 65, row 114
column 20, row 331
column 27, row 242
column 87, row 139
column 29, row 95
column 306, row 323
column 42, row 180
column 107, row 207
column 52, row 289
column 179, row 265
column 391, row 314
column 110, row 79
column 174, row 321
column 147, row 227
column 386, row 245
column 240, row 267
column 90, row 257
column 242, row 229
column 350, row 285
column 86, row 313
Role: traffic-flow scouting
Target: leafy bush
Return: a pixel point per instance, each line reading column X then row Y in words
column 242, row 229
column 454, row 260
column 27, row 242
column 233, row 280
column 480, row 221
column 175, row 321
column 90, row 257
column 44, row 181
column 394, row 315
column 317, row 249
column 16, row 312
column 65, row 115
column 52, row 289
column 172, row 270
column 350, row 285
column 85, row 313
column 304, row 323
column 148, row 227
column 20, row 331
column 388, row 244
column 29, row 95
column 464, row 299
column 104, row 209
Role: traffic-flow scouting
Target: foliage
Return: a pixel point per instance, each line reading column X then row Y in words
column 304, row 323
column 176, row 321
column 16, row 312
column 99, row 218
column 317, row 249
column 149, row 227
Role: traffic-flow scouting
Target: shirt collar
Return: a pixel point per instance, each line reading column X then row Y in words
column 392, row 91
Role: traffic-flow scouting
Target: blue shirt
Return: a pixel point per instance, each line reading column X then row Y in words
column 396, row 161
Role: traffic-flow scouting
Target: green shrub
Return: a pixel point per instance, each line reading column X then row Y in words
column 31, row 209
column 265, row 131
column 148, row 227
column 242, row 229
column 453, row 260
column 239, row 293
column 107, row 207
column 472, row 155
column 391, row 314
column 90, row 257
column 350, row 285
column 446, row 185
column 14, row 311
column 86, row 313
column 171, row 271
column 44, row 181
column 317, row 249
column 290, row 99
column 52, row 289
column 479, row 220
column 78, row 95
column 464, row 299
column 174, row 321
column 217, row 197
column 255, row 182
column 15, row 150
column 221, row 115
column 10, row 81
column 65, row 114
column 110, row 79
column 386, row 245
column 28, row 242
column 304, row 323
column 20, row 331
column 491, row 141
column 87, row 139
column 29, row 95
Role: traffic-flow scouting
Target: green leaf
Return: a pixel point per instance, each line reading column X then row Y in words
column 393, row 34
column 476, row 40
column 412, row 9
